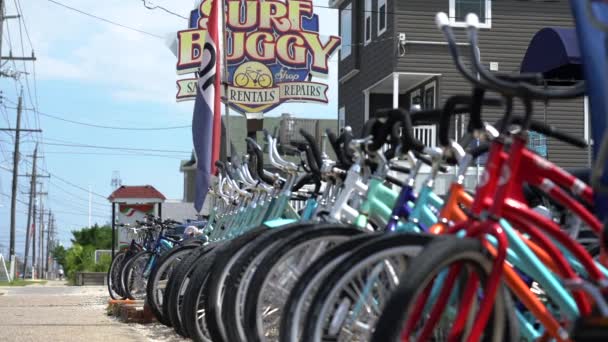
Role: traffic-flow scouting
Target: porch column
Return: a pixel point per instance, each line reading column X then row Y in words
column 395, row 90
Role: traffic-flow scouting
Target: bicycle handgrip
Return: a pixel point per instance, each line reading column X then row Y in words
column 259, row 159
column 312, row 162
column 401, row 169
column 333, row 142
column 313, row 146
column 428, row 162
column 407, row 136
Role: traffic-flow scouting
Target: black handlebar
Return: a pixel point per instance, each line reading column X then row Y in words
column 313, row 147
column 259, row 158
column 550, row 131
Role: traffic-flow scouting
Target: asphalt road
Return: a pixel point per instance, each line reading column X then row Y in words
column 56, row 312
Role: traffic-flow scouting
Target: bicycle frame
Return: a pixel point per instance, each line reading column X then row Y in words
column 501, row 196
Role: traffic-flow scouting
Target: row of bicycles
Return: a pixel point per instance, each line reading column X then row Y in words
column 376, row 254
column 131, row 267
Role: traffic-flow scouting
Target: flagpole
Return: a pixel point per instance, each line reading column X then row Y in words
column 225, row 81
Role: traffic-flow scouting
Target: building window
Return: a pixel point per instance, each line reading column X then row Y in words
column 341, row 118
column 382, row 12
column 460, row 8
column 367, row 17
column 429, row 96
column 346, row 31
column 415, row 100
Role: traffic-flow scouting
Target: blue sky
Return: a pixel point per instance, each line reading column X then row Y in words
column 94, row 72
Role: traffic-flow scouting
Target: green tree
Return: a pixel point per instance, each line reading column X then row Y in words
column 99, row 237
column 59, row 253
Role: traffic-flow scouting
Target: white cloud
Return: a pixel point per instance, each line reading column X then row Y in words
column 131, row 65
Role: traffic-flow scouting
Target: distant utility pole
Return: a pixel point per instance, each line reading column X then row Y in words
column 29, row 212
column 16, row 155
column 34, row 239
column 40, row 242
column 14, row 187
column 90, row 205
column 10, row 56
column 49, row 225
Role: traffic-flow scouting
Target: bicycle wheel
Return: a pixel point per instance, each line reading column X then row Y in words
column 159, row 277
column 177, row 285
column 349, row 301
column 114, row 275
column 196, row 299
column 278, row 272
column 302, row 293
column 134, row 277
column 224, row 307
column 241, row 80
column 265, row 81
column 411, row 304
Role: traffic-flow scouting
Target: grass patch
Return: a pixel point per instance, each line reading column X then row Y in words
column 21, row 282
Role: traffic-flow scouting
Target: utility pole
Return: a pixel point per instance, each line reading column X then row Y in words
column 1, row 23
column 34, row 261
column 29, row 211
column 48, row 244
column 10, row 56
column 14, row 187
column 40, row 242
column 90, row 206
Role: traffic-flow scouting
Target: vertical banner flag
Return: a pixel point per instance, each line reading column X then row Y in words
column 206, row 120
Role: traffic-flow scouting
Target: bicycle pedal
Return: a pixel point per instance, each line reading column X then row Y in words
column 591, row 329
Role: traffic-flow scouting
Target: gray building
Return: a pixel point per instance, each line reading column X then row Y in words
column 394, row 55
column 285, row 127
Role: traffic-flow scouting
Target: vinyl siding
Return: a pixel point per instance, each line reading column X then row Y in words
column 375, row 61
column 514, row 23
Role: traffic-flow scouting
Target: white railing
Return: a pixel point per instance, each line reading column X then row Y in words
column 427, row 134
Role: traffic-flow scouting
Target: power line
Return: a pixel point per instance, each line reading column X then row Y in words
column 114, row 127
column 79, row 214
column 68, row 182
column 72, row 144
column 54, row 185
column 105, row 20
column 116, row 154
column 163, row 9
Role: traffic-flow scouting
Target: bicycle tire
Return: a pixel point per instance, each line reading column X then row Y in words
column 273, row 260
column 162, row 272
column 131, row 276
column 305, row 286
column 196, row 294
column 265, row 84
column 229, row 280
column 430, row 262
column 178, row 283
column 406, row 245
column 112, row 276
column 239, row 81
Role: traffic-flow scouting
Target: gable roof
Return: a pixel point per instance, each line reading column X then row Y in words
column 140, row 191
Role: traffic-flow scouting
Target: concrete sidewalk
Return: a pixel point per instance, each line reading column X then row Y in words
column 56, row 312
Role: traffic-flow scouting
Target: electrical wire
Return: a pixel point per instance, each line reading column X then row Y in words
column 105, row 20
column 163, row 9
column 67, row 182
column 57, row 142
column 74, row 153
column 114, row 127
